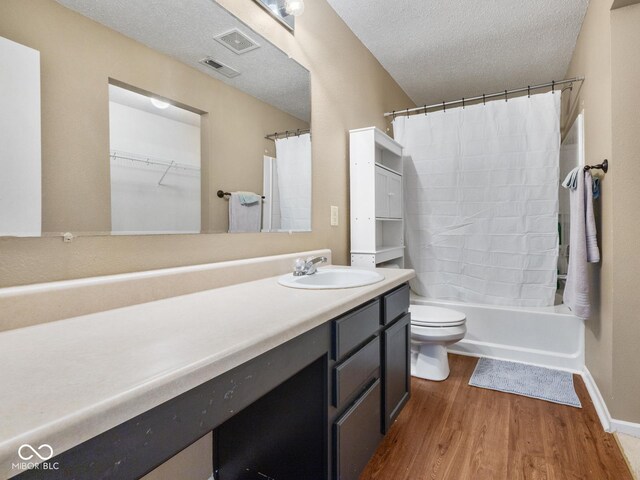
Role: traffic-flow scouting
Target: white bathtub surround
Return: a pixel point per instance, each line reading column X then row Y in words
column 545, row 336
column 28, row 305
column 583, row 245
column 107, row 367
column 293, row 159
column 481, row 193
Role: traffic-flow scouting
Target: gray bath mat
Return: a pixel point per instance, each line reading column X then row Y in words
column 528, row 380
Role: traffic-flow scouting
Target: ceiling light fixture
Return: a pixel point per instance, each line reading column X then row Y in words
column 294, row 7
column 159, row 103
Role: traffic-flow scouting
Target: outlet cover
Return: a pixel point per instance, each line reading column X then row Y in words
column 334, row 216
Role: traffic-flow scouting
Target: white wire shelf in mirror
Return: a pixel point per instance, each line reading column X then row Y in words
column 128, row 159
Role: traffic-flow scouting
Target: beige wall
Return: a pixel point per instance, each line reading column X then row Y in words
column 625, row 65
column 78, row 57
column 349, row 90
column 592, row 59
column 606, row 54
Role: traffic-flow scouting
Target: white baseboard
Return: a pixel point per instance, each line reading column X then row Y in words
column 596, row 398
column 628, row 428
column 609, row 424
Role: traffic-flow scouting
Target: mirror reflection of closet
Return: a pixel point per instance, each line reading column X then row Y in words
column 154, row 163
column 58, row 124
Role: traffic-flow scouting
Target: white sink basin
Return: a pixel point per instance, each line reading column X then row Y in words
column 326, row 278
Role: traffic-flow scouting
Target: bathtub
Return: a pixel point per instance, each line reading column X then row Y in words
column 547, row 336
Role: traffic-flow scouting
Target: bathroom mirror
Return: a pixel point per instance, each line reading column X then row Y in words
column 118, row 118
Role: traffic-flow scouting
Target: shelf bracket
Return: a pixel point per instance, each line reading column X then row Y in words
column 165, row 172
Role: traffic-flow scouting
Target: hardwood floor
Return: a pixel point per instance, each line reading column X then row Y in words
column 450, row 430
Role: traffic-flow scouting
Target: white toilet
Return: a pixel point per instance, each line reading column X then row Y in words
column 432, row 330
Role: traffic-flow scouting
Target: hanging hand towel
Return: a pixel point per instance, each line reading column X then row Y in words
column 583, row 246
column 571, row 180
column 243, row 218
column 248, row 198
column 593, row 252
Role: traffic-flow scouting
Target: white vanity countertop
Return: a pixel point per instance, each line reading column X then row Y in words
column 64, row 382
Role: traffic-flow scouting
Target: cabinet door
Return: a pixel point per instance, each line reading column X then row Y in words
column 396, row 369
column 394, row 193
column 357, row 434
column 382, row 193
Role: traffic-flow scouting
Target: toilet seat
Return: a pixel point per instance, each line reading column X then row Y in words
column 427, row 316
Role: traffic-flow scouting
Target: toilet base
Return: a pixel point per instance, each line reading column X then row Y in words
column 429, row 361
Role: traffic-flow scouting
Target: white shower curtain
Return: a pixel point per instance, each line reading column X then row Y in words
column 481, row 194
column 293, row 160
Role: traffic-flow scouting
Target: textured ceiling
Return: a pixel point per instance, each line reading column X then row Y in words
column 185, row 30
column 444, row 50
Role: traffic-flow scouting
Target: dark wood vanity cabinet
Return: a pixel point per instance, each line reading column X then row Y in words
column 315, row 407
column 356, row 390
column 396, row 354
column 371, row 381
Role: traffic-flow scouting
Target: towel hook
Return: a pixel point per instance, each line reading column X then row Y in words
column 425, row 110
column 505, row 95
column 553, row 86
column 463, row 103
column 604, row 166
column 444, row 107
column 484, row 101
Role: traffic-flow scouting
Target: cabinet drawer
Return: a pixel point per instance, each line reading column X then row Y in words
column 354, row 328
column 357, row 434
column 395, row 304
column 352, row 375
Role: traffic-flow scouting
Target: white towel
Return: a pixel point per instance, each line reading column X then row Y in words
column 243, row 218
column 583, row 247
column 248, row 198
column 593, row 252
column 571, row 180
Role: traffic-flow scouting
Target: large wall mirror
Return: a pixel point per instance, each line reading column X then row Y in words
column 125, row 117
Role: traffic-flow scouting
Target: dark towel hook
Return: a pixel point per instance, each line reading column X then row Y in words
column 604, row 166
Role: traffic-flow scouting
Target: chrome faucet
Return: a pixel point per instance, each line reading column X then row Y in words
column 308, row 266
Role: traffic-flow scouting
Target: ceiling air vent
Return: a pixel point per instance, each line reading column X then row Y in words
column 219, row 67
column 237, row 41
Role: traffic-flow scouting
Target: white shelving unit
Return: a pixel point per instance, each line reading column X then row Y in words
column 377, row 217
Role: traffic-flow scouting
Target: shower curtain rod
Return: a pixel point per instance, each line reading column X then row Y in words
column 287, row 134
column 505, row 94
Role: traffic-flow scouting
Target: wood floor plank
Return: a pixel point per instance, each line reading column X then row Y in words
column 452, row 431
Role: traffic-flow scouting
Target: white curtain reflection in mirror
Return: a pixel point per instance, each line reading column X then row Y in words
column 293, row 171
column 155, row 165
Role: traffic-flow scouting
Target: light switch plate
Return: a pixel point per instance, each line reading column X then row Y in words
column 334, row 216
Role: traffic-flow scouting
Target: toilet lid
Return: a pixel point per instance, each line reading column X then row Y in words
column 427, row 316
